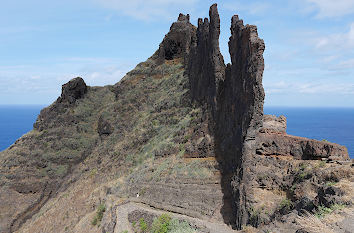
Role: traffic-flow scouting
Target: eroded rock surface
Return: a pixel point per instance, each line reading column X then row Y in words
column 177, row 43
column 73, row 90
column 273, row 141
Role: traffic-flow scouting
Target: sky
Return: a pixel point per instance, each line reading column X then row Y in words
column 309, row 52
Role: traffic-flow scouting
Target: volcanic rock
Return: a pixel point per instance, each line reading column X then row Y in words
column 183, row 133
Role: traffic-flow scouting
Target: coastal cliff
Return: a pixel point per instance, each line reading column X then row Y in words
column 182, row 133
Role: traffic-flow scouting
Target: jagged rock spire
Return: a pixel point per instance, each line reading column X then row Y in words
column 206, row 66
column 177, row 42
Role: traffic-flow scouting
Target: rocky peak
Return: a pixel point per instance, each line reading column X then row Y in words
column 73, row 90
column 53, row 115
column 177, row 42
column 206, row 64
column 183, row 18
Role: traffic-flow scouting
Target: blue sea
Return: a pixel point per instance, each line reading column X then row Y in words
column 16, row 120
column 333, row 124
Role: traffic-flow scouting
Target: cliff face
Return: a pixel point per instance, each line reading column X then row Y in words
column 183, row 133
column 232, row 95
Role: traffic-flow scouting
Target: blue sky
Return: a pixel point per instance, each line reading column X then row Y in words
column 309, row 44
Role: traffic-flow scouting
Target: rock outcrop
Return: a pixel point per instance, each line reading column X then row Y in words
column 73, row 90
column 206, row 66
column 177, row 43
column 232, row 96
column 104, row 127
column 273, row 141
column 273, row 124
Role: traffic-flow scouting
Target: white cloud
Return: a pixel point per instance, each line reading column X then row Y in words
column 146, row 10
column 336, row 41
column 310, row 88
column 332, row 8
column 42, row 84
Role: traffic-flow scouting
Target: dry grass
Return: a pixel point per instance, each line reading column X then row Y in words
column 313, row 224
column 249, row 229
column 348, row 188
column 338, row 215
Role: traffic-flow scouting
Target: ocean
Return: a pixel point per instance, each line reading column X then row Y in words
column 16, row 120
column 333, row 124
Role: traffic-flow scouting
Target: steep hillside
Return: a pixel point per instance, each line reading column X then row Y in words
column 182, row 133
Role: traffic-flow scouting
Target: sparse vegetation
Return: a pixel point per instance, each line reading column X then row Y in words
column 143, row 225
column 321, row 164
column 331, row 183
column 303, row 172
column 322, row 211
column 177, row 226
column 164, row 224
column 313, row 224
column 286, row 205
column 99, row 215
column 254, row 216
column 161, row 224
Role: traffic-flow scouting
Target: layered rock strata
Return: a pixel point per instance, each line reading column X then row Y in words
column 273, row 140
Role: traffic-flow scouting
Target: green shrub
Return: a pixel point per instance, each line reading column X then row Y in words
column 331, row 183
column 303, row 166
column 143, row 225
column 323, row 211
column 99, row 214
column 322, row 164
column 254, row 216
column 286, row 204
column 177, row 226
column 161, row 224
column 302, row 175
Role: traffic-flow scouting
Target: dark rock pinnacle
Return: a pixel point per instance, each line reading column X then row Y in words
column 73, row 90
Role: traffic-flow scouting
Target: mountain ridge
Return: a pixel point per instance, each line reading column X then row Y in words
column 182, row 132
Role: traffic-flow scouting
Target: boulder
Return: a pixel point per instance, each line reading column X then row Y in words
column 73, row 90
column 104, row 127
column 273, row 124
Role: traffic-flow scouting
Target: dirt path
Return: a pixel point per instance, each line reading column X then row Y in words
column 124, row 225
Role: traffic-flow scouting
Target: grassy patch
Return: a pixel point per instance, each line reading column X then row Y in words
column 331, row 183
column 163, row 224
column 322, row 211
column 143, row 225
